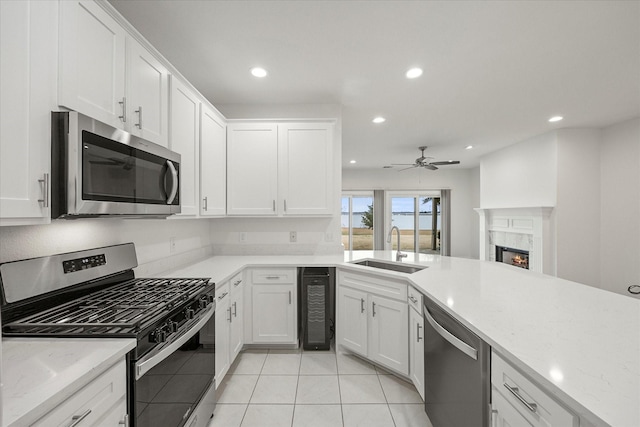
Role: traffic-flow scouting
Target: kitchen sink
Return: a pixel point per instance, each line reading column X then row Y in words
column 393, row 266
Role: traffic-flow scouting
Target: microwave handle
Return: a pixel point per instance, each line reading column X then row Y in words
column 174, row 182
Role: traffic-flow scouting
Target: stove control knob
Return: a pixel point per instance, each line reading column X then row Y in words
column 211, row 298
column 203, row 302
column 159, row 336
column 189, row 313
column 173, row 326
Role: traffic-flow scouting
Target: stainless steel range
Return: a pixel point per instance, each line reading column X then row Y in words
column 94, row 293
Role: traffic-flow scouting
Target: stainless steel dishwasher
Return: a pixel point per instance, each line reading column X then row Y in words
column 457, row 377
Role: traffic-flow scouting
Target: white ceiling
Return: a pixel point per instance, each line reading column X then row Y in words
column 494, row 71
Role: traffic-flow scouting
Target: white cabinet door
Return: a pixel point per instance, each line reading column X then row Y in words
column 352, row 320
column 505, row 415
column 184, row 140
column 416, row 350
column 389, row 344
column 305, row 168
column 213, row 163
column 28, row 84
column 252, row 169
column 274, row 314
column 222, row 316
column 236, row 330
column 92, row 62
column 147, row 95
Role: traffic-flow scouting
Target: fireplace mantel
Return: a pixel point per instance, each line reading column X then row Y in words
column 524, row 228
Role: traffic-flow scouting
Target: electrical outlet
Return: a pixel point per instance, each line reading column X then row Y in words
column 293, row 236
column 172, row 244
column 242, row 237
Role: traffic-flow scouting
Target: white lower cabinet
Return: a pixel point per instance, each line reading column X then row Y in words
column 236, row 327
column 416, row 349
column 274, row 312
column 517, row 401
column 371, row 323
column 102, row 402
column 221, row 333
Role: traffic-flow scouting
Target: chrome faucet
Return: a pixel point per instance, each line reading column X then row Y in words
column 399, row 255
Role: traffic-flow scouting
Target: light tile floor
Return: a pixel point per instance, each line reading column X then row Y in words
column 295, row 388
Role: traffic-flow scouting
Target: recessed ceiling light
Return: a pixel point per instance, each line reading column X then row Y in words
column 555, row 119
column 258, row 72
column 468, row 147
column 379, row 120
column 413, row 73
column 352, row 161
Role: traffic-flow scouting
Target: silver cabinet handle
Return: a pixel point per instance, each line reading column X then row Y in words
column 456, row 342
column 634, row 289
column 516, row 392
column 361, row 305
column 205, row 201
column 418, row 331
column 289, row 297
column 123, row 103
column 274, row 205
column 224, row 294
column 174, row 184
column 373, row 309
column 271, row 277
column 139, row 111
column 229, row 311
column 45, row 191
column 235, row 309
column 77, row 419
column 285, row 205
column 413, row 300
column 237, row 282
column 125, row 420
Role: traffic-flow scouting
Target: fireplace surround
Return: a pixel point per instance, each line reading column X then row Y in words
column 524, row 229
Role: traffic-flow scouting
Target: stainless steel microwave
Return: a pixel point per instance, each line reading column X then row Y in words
column 98, row 170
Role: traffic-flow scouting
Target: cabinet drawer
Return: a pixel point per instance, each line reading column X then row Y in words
column 414, row 298
column 270, row 276
column 235, row 282
column 535, row 404
column 386, row 287
column 94, row 401
column 222, row 292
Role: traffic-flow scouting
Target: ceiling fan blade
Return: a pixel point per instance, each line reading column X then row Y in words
column 447, row 162
column 403, row 164
column 407, row 168
column 430, row 166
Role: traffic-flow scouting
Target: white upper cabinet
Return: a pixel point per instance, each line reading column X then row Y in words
column 185, row 140
column 92, row 62
column 280, row 169
column 305, row 168
column 106, row 74
column 147, row 94
column 28, row 84
column 252, row 169
column 213, row 163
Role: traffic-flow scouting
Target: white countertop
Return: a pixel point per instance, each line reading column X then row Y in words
column 579, row 342
column 39, row 373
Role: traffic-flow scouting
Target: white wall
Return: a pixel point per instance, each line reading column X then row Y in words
column 577, row 213
column 271, row 235
column 521, row 175
column 463, row 184
column 150, row 236
column 620, row 206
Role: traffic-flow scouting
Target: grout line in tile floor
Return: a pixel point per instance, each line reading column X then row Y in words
column 403, row 412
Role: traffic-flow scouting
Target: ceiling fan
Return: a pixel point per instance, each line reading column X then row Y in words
column 424, row 162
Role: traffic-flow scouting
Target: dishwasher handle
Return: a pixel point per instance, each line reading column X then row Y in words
column 455, row 341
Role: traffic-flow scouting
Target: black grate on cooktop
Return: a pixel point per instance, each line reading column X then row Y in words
column 122, row 309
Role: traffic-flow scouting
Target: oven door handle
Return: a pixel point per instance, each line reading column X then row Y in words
column 152, row 359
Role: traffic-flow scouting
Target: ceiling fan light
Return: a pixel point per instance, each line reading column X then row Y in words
column 468, row 147
column 352, row 161
column 555, row 119
column 379, row 120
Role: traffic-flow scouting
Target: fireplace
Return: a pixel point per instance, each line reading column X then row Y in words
column 515, row 257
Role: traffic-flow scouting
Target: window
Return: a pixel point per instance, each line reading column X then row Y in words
column 418, row 218
column 357, row 221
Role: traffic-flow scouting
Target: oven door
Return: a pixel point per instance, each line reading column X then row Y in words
column 170, row 382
